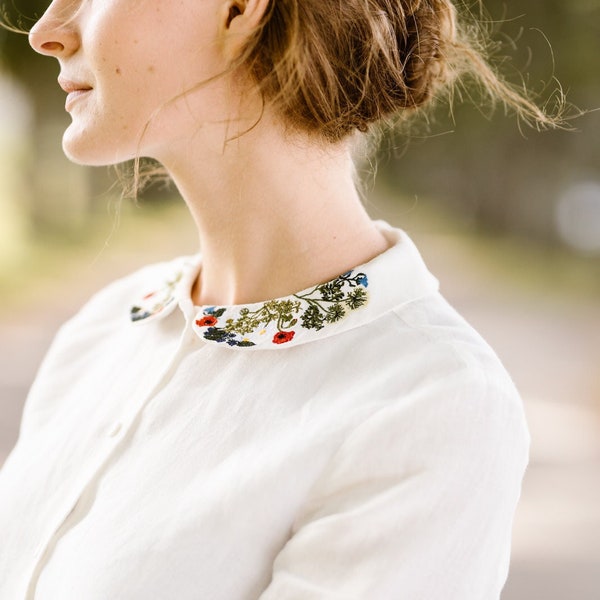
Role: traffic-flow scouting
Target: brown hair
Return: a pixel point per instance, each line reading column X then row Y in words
column 331, row 67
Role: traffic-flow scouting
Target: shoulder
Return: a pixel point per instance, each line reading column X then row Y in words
column 410, row 339
column 429, row 377
column 107, row 315
column 441, row 407
column 113, row 303
column 445, row 345
column 99, row 330
column 466, row 392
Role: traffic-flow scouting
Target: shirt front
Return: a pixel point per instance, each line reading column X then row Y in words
column 356, row 440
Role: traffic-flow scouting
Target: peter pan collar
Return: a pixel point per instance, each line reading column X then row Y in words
column 354, row 298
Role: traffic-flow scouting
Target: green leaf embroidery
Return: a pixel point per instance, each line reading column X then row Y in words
column 325, row 303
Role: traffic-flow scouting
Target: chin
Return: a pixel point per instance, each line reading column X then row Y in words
column 83, row 150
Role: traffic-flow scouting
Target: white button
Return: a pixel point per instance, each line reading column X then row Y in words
column 114, row 430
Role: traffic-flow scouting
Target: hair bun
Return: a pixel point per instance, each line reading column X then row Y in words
column 333, row 69
column 425, row 37
column 330, row 68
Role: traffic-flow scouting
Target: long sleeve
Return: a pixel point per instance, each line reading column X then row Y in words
column 418, row 503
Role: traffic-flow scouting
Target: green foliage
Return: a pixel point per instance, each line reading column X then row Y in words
column 325, row 303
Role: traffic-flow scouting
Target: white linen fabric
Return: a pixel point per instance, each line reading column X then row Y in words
column 370, row 447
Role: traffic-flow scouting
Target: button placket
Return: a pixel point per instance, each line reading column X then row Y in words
column 115, row 432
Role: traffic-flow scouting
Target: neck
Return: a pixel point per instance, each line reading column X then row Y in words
column 273, row 216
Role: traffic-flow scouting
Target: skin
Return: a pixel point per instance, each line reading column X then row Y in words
column 276, row 213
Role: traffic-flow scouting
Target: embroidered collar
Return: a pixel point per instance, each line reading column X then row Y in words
column 349, row 300
column 154, row 303
column 281, row 320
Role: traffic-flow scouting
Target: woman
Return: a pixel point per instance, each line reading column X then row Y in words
column 204, row 430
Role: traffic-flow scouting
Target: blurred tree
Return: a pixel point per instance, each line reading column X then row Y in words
column 16, row 52
column 60, row 196
column 485, row 168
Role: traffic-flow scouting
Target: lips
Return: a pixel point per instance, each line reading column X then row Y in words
column 75, row 90
column 72, row 86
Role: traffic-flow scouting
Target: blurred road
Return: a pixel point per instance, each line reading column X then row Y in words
column 550, row 346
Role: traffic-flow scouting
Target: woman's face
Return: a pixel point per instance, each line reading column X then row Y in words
column 123, row 62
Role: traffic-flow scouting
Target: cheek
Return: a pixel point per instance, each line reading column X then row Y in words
column 129, row 89
column 140, row 82
column 151, row 59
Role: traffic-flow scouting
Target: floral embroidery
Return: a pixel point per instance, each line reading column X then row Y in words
column 281, row 337
column 325, row 303
column 155, row 302
column 207, row 321
column 274, row 322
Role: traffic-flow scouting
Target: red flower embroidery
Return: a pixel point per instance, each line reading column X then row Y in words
column 282, row 337
column 208, row 321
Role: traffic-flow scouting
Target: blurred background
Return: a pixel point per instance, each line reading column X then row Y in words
column 508, row 220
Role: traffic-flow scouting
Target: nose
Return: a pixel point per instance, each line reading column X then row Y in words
column 54, row 35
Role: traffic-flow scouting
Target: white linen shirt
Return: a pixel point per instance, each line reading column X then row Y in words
column 357, row 440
